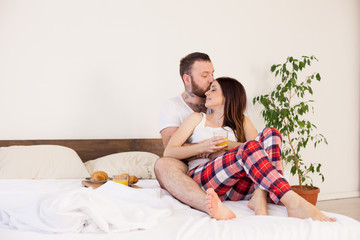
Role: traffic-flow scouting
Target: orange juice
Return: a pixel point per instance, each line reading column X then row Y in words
column 225, row 143
column 223, row 134
column 123, row 179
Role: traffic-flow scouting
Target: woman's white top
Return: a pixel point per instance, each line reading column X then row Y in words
column 201, row 133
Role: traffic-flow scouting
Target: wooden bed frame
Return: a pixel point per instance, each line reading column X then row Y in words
column 89, row 149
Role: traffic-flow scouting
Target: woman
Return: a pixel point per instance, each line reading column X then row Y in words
column 250, row 170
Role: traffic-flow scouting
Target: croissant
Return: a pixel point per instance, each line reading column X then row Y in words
column 133, row 179
column 99, row 176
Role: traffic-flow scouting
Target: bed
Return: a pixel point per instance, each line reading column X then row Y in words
column 42, row 197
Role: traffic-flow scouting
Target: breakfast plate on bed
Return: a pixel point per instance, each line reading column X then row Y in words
column 98, row 182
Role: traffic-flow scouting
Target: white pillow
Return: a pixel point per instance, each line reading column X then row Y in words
column 140, row 164
column 39, row 162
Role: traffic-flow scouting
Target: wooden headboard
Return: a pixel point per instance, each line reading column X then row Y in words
column 89, row 149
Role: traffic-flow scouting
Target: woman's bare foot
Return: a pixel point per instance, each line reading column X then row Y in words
column 258, row 202
column 216, row 208
column 300, row 208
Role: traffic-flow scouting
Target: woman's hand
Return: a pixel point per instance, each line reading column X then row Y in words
column 231, row 144
column 211, row 145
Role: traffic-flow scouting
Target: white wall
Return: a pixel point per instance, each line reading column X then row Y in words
column 101, row 69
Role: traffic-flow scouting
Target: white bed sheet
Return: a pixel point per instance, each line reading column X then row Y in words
column 169, row 219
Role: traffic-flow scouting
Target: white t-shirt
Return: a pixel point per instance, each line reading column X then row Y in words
column 201, row 132
column 173, row 113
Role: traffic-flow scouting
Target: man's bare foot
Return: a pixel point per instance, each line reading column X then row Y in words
column 300, row 208
column 258, row 202
column 216, row 208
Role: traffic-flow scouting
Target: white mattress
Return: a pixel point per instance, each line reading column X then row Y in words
column 64, row 209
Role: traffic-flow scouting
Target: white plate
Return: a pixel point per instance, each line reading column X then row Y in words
column 92, row 181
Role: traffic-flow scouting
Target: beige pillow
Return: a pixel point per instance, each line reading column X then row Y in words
column 90, row 166
column 39, row 162
column 140, row 164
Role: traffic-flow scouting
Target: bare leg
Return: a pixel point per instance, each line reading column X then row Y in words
column 299, row 208
column 258, row 202
column 171, row 174
column 216, row 208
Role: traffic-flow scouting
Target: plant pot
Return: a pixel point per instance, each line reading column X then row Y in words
column 309, row 193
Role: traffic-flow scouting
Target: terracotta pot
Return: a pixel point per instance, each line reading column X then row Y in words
column 309, row 193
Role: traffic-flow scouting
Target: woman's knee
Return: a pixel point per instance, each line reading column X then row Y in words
column 251, row 144
column 240, row 149
column 271, row 131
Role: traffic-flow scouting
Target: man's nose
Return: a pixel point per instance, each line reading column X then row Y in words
column 211, row 79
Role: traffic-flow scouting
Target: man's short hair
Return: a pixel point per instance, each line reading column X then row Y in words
column 187, row 62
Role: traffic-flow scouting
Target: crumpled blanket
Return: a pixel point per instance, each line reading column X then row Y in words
column 112, row 207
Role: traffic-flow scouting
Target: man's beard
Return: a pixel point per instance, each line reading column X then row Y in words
column 196, row 90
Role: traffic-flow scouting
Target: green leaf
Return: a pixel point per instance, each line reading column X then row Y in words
column 311, row 168
column 293, row 170
column 302, row 64
column 318, row 76
column 294, row 75
column 318, row 168
column 273, row 67
column 295, row 66
column 310, row 90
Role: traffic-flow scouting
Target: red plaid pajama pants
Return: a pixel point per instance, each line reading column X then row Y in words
column 237, row 173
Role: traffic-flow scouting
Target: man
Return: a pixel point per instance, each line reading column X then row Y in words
column 197, row 73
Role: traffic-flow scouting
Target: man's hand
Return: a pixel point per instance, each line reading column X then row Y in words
column 204, row 155
column 211, row 155
column 216, row 154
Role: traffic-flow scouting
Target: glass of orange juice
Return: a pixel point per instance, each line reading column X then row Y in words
column 223, row 134
column 122, row 178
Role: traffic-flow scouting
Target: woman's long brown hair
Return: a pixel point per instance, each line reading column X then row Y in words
column 235, row 105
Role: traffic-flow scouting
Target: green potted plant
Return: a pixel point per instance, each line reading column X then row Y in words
column 284, row 108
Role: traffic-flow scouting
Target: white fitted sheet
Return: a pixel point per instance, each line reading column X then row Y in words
column 154, row 214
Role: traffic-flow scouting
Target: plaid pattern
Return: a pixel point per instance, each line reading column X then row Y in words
column 238, row 172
